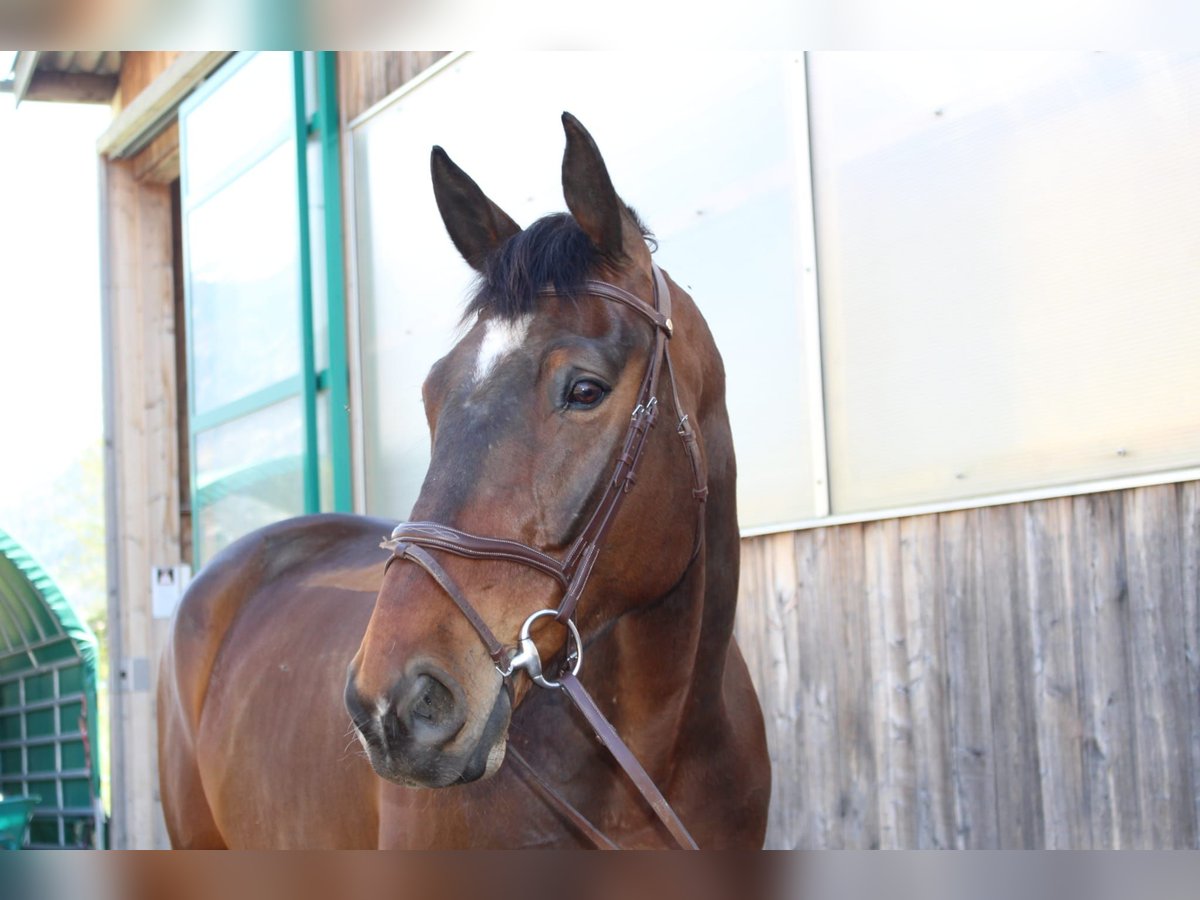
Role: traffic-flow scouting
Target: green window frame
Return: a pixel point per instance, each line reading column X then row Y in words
column 322, row 373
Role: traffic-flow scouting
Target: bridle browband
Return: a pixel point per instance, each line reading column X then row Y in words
column 412, row 541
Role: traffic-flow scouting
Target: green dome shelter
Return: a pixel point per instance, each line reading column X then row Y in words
column 48, row 713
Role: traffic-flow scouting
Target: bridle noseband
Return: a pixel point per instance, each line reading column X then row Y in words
column 412, row 541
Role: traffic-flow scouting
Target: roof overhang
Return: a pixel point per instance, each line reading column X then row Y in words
column 147, row 114
column 68, row 76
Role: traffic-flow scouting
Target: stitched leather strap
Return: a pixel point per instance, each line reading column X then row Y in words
column 447, row 584
column 598, row 838
column 608, row 736
column 461, row 543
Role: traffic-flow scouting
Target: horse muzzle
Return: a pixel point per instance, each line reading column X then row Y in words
column 421, row 734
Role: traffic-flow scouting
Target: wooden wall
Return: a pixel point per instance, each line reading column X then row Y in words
column 139, row 68
column 1016, row 676
column 366, row 77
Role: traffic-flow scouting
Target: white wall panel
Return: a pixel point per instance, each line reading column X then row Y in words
column 707, row 153
column 1010, row 270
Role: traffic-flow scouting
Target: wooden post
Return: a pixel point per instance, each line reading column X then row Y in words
column 142, row 460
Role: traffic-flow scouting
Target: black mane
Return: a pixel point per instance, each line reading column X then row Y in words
column 554, row 250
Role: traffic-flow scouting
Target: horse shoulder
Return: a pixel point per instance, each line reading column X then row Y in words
column 231, row 580
column 207, row 610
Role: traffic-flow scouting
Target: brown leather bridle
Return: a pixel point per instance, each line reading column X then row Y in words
column 413, row 541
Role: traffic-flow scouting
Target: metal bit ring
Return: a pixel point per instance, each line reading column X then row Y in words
column 528, row 658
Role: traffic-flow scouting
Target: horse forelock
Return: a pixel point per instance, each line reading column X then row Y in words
column 553, row 251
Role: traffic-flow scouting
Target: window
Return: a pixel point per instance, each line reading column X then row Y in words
column 1010, row 270
column 266, row 372
column 714, row 160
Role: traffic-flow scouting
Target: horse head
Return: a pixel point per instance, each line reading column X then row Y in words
column 530, row 415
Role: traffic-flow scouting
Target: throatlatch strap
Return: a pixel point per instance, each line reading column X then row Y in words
column 598, row 838
column 574, row 689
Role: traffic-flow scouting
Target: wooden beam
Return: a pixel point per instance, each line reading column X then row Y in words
column 158, row 162
column 23, row 69
column 71, row 87
column 137, row 259
column 154, row 108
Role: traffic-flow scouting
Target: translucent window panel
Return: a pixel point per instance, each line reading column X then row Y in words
column 235, row 125
column 324, row 453
column 11, row 761
column 713, row 172
column 316, row 232
column 39, row 723
column 42, row 830
column 76, row 793
column 73, row 755
column 54, row 652
column 47, row 791
column 1009, row 259
column 15, row 662
column 243, row 271
column 69, row 716
column 22, row 619
column 249, row 473
column 42, row 758
column 70, row 679
column 39, row 687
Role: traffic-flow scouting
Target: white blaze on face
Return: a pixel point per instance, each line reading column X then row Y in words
column 500, row 339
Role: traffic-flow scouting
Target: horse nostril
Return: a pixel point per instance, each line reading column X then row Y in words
column 429, row 710
column 434, row 703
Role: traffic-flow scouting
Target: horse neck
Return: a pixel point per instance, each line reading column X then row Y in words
column 669, row 658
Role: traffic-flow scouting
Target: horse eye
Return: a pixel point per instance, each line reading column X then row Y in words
column 585, row 394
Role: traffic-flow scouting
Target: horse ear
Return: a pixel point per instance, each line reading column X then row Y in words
column 477, row 226
column 591, row 197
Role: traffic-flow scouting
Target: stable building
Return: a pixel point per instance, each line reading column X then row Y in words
column 956, row 299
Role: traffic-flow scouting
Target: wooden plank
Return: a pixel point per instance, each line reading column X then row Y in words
column 926, row 684
column 366, row 77
column 1010, row 683
column 1097, row 557
column 158, row 161
column 887, row 641
column 1189, row 540
column 24, row 67
column 785, row 712
column 84, row 60
column 70, row 87
column 154, row 107
column 844, row 591
column 769, row 637
column 1163, row 709
column 818, row 719
column 969, row 690
column 1056, row 704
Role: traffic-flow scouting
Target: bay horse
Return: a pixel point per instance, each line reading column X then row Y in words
column 318, row 692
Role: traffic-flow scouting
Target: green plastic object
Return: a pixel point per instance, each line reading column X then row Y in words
column 15, row 813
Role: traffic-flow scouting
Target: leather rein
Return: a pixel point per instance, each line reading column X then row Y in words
column 413, row 541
